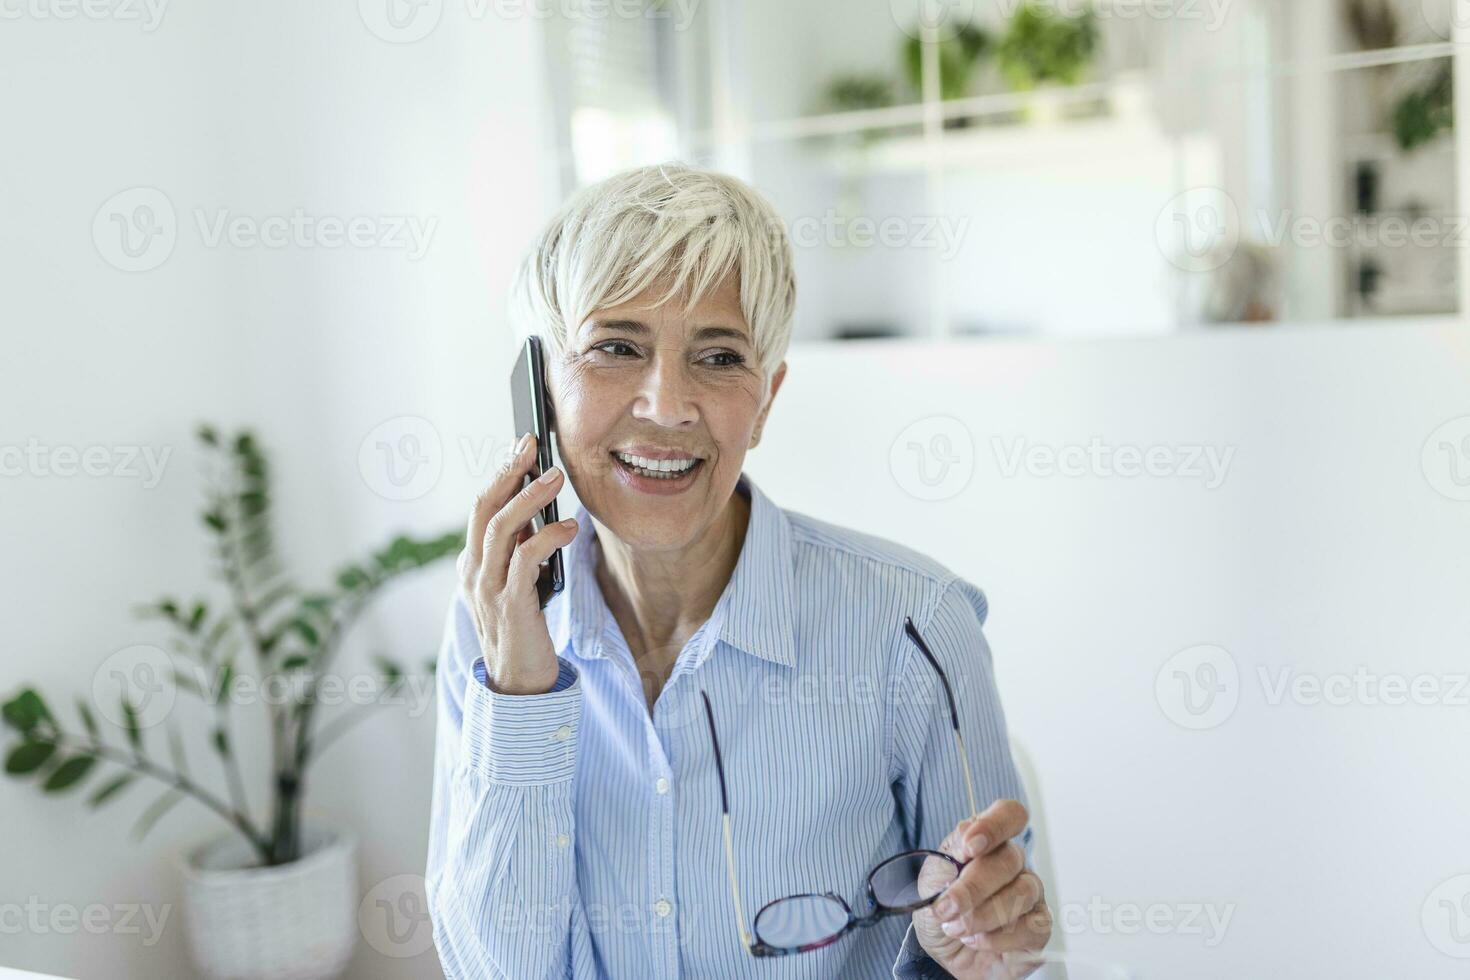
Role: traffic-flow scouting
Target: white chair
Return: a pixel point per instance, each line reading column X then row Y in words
column 1041, row 862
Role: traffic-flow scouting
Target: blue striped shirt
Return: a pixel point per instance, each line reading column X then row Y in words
column 577, row 835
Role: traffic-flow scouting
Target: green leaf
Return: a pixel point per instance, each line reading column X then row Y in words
column 212, row 638
column 89, row 722
column 215, row 520
column 156, row 810
column 68, row 773
column 26, row 710
column 351, row 578
column 130, row 722
column 221, row 742
column 306, row 630
column 207, row 435
column 183, row 680
column 197, row 616
column 111, row 788
column 296, row 662
column 318, row 604
column 226, row 676
column 280, row 591
column 390, row 670
column 27, row 757
column 253, row 503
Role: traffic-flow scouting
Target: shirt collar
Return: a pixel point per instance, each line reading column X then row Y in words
column 754, row 613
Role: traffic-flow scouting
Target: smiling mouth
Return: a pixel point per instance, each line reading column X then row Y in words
column 657, row 469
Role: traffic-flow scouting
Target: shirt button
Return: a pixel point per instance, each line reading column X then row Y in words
column 562, row 840
column 662, row 785
column 563, row 733
column 662, row 907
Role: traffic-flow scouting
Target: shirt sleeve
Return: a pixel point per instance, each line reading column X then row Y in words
column 501, row 870
column 927, row 773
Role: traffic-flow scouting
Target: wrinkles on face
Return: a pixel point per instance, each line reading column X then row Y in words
column 673, row 376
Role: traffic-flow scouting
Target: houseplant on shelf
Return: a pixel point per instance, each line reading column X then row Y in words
column 1041, row 46
column 272, row 898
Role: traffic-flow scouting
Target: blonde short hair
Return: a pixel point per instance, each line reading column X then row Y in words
column 614, row 239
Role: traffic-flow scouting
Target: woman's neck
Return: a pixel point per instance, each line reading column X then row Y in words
column 660, row 599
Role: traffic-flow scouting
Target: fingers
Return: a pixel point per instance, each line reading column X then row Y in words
column 1002, row 909
column 490, row 500
column 525, row 563
column 1001, row 821
column 504, row 527
column 1028, row 935
column 980, row 880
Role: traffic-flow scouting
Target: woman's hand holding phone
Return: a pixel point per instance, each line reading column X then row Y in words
column 498, row 569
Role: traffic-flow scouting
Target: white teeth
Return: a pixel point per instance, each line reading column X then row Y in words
column 673, row 467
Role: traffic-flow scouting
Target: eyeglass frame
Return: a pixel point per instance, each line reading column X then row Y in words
column 760, row 948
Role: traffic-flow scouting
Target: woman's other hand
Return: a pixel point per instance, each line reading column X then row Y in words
column 994, row 908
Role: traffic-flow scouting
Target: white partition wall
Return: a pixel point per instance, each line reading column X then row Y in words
column 1302, row 826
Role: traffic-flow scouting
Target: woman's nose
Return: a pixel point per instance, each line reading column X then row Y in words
column 666, row 393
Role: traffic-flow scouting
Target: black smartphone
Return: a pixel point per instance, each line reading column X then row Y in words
column 532, row 410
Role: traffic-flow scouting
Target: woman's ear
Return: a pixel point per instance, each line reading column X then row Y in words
column 760, row 422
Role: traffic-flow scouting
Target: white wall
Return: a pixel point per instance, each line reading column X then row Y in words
column 260, row 109
column 1321, row 830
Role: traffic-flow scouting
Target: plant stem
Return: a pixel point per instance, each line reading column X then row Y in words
column 140, row 764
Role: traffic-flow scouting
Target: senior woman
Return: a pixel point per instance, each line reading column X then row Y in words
column 728, row 704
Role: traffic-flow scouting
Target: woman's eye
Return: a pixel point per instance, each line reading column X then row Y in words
column 732, row 359
column 615, row 343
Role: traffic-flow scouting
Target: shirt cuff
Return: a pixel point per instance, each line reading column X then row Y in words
column 914, row 963
column 522, row 739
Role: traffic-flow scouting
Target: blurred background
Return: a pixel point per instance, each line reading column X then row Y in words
column 1147, row 316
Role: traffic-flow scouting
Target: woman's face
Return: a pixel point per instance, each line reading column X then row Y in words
column 659, row 383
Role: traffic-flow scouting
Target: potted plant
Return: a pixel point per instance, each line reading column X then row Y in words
column 272, row 898
column 1041, row 46
column 959, row 54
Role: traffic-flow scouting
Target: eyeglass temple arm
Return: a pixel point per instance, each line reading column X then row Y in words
column 745, row 936
column 954, row 715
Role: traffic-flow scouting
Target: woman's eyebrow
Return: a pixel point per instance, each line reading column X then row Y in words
column 642, row 329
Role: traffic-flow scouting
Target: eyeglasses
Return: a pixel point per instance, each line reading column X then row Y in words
column 900, row 885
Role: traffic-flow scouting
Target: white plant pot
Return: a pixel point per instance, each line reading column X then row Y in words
column 292, row 922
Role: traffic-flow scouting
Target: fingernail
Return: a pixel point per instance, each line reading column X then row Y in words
column 952, row 928
column 946, row 908
column 970, row 941
column 977, row 845
column 548, row 476
column 525, row 441
column 569, row 522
